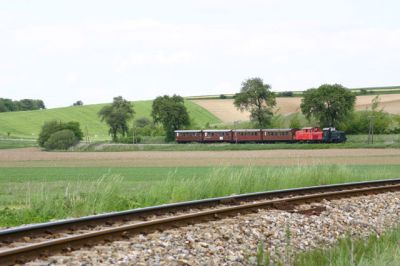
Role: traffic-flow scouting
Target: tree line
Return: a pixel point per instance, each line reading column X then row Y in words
column 8, row 105
column 168, row 111
column 329, row 105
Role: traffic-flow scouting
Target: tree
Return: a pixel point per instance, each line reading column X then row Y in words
column 329, row 104
column 30, row 104
column 257, row 98
column 116, row 116
column 171, row 113
column 8, row 105
column 77, row 103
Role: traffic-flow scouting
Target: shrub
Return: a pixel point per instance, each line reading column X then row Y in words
column 285, row 94
column 142, row 122
column 47, row 130
column 74, row 127
column 359, row 122
column 54, row 126
column 61, row 140
column 223, row 96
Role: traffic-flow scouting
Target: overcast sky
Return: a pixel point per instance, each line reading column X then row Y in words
column 63, row 51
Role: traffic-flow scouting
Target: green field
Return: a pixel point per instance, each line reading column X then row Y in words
column 35, row 194
column 17, row 143
column 27, row 124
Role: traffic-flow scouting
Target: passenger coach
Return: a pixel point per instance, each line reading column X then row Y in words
column 184, row 136
column 221, row 135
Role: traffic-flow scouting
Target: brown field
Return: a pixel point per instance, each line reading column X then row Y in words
column 33, row 157
column 224, row 109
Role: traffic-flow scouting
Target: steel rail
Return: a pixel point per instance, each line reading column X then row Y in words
column 14, row 254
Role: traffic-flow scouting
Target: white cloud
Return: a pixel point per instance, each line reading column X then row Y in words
column 160, row 58
column 51, row 39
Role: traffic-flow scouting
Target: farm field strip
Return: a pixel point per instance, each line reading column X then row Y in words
column 36, row 158
column 227, row 112
column 178, row 213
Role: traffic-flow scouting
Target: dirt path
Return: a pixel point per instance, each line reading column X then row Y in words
column 33, row 157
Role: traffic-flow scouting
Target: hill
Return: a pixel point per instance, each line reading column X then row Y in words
column 227, row 113
column 27, row 124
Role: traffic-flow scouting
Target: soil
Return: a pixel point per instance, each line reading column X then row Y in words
column 34, row 157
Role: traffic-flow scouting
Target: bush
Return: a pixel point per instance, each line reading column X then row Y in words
column 358, row 122
column 47, row 130
column 223, row 96
column 142, row 122
column 54, row 126
column 61, row 140
column 285, row 94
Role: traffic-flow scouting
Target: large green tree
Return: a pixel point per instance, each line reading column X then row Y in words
column 116, row 116
column 171, row 113
column 257, row 98
column 329, row 104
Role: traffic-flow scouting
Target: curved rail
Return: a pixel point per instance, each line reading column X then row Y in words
column 230, row 205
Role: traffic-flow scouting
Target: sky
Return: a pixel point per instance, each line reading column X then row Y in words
column 64, row 51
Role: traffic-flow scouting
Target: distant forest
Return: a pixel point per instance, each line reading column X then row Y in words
column 8, row 105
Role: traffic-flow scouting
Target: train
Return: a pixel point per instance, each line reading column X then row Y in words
column 272, row 135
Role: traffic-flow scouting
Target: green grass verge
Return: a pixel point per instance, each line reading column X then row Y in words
column 355, row 142
column 27, row 124
column 17, row 143
column 382, row 250
column 30, row 195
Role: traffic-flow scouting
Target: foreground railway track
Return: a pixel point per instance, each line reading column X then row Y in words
column 18, row 245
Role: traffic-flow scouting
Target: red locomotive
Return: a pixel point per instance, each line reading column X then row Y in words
column 310, row 134
column 288, row 135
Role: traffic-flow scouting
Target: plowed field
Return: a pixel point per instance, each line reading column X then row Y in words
column 33, row 157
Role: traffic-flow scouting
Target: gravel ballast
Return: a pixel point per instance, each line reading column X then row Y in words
column 234, row 241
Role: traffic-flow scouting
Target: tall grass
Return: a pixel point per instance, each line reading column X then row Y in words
column 382, row 250
column 110, row 192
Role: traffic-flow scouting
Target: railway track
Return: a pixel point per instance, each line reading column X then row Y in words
column 19, row 245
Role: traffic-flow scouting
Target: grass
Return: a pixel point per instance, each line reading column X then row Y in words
column 382, row 250
column 17, row 143
column 27, row 124
column 30, row 195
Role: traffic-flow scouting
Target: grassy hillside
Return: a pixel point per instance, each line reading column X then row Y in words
column 27, row 124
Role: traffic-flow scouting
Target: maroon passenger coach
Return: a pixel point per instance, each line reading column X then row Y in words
column 279, row 135
column 246, row 135
column 183, row 136
column 221, row 135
